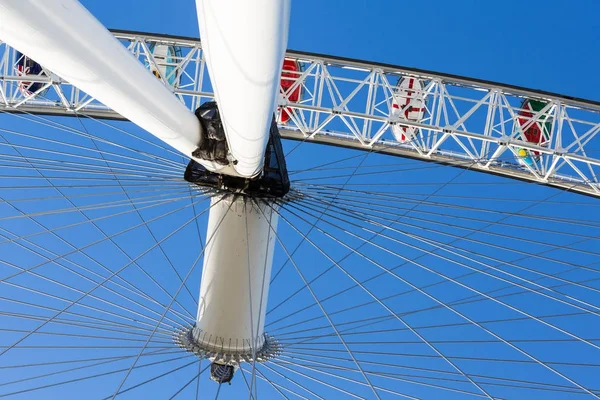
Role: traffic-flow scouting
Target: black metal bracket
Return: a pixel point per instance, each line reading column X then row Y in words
column 273, row 180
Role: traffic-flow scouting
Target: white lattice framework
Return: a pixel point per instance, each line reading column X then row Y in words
column 467, row 123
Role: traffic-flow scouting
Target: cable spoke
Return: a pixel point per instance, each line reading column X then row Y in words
column 429, row 344
column 191, row 269
column 151, row 379
column 462, row 315
column 93, row 289
column 93, row 243
column 76, row 132
column 322, row 365
column 197, row 376
column 443, row 246
column 287, row 378
column 382, row 274
column 475, row 270
column 312, row 378
column 66, row 382
column 104, row 361
column 319, row 303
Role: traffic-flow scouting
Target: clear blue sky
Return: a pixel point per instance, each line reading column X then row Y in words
column 551, row 45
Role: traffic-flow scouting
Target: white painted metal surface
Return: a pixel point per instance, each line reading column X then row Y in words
column 244, row 45
column 467, row 122
column 65, row 38
column 408, row 104
column 237, row 268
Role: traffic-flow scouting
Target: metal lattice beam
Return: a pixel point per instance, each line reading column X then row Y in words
column 466, row 122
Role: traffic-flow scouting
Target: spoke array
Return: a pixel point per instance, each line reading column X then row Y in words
column 391, row 277
column 352, row 103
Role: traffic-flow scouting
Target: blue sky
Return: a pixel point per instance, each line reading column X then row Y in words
column 549, row 45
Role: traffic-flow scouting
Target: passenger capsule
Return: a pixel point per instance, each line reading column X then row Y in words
column 289, row 76
column 536, row 132
column 166, row 60
column 408, row 104
column 27, row 67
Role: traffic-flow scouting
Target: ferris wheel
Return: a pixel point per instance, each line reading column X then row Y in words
column 227, row 219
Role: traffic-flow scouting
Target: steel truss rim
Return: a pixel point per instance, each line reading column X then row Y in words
column 574, row 160
column 305, row 355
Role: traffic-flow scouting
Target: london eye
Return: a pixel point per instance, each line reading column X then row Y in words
column 217, row 216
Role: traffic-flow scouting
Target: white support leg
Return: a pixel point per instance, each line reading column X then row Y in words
column 65, row 38
column 237, row 267
column 244, row 44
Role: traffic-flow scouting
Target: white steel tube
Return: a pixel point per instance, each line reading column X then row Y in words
column 65, row 38
column 237, row 267
column 244, row 44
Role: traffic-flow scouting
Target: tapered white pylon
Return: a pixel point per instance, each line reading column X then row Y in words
column 244, row 44
column 64, row 37
column 235, row 276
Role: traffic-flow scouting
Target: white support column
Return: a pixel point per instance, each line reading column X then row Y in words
column 65, row 38
column 244, row 44
column 237, row 267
